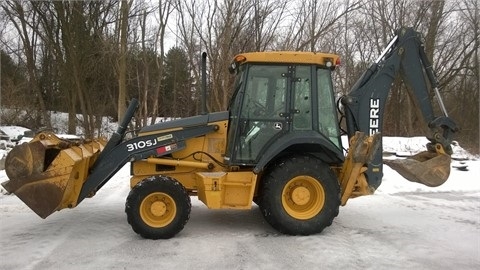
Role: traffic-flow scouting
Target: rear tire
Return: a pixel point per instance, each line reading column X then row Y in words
column 158, row 207
column 300, row 195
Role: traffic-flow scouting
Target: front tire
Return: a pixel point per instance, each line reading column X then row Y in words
column 158, row 207
column 300, row 195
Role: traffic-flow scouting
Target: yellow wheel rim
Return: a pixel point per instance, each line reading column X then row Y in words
column 158, row 209
column 303, row 197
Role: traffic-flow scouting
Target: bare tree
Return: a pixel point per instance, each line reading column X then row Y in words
column 460, row 78
column 122, row 61
column 142, row 57
column 22, row 21
column 165, row 9
column 213, row 27
column 261, row 29
column 313, row 20
column 66, row 44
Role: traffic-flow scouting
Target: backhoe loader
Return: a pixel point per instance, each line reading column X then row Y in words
column 278, row 145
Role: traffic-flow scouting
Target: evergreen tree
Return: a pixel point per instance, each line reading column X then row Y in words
column 180, row 96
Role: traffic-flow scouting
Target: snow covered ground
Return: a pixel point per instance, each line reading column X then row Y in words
column 404, row 225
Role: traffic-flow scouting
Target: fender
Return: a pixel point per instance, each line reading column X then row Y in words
column 311, row 141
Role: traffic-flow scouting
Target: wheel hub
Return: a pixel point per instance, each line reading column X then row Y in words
column 301, row 195
column 158, row 208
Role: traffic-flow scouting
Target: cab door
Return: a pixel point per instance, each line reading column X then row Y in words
column 264, row 112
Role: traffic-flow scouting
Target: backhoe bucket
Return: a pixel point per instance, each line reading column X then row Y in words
column 47, row 173
column 428, row 168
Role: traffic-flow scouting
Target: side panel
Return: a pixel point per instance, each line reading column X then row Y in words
column 194, row 151
column 226, row 190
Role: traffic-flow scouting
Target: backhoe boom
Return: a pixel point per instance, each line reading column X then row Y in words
column 364, row 106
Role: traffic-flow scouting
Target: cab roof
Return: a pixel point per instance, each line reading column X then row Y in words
column 287, row 57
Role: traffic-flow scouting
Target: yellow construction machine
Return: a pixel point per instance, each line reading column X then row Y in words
column 279, row 145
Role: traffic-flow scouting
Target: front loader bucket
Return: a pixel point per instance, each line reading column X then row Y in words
column 428, row 168
column 47, row 173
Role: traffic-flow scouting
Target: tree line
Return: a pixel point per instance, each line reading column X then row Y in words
column 89, row 58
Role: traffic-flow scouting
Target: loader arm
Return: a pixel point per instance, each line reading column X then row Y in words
column 112, row 161
column 364, row 106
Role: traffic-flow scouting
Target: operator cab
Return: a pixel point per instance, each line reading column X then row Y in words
column 283, row 101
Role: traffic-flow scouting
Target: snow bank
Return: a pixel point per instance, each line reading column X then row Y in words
column 407, row 146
